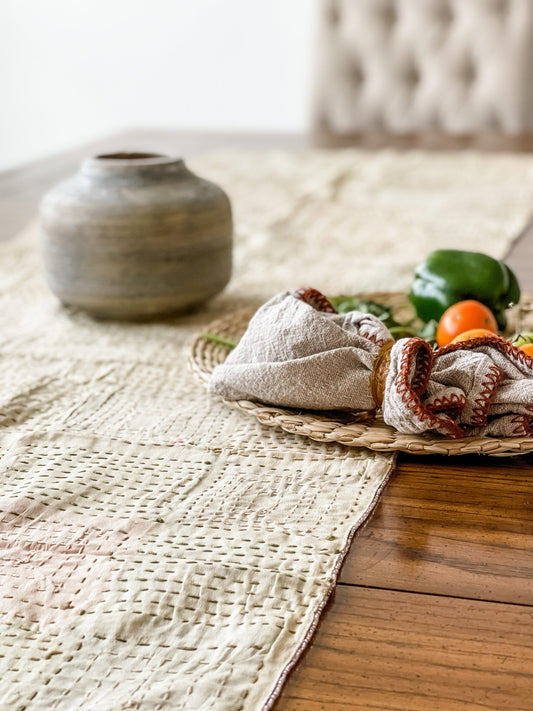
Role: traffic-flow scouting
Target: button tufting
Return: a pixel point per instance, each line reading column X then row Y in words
column 388, row 15
column 500, row 7
column 492, row 121
column 333, row 13
column 443, row 14
column 467, row 71
column 357, row 74
column 421, row 64
column 411, row 75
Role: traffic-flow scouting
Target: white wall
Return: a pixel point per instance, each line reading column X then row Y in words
column 75, row 70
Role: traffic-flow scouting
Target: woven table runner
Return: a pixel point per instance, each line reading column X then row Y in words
column 160, row 551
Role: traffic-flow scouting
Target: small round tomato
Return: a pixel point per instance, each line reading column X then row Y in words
column 528, row 349
column 473, row 333
column 464, row 316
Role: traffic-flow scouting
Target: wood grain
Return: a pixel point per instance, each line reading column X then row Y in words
column 385, row 650
column 432, row 141
column 460, row 527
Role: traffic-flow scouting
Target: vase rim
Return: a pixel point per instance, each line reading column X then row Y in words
column 120, row 160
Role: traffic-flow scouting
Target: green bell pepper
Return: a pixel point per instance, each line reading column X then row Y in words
column 451, row 275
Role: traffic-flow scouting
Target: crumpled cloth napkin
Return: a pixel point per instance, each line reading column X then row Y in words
column 298, row 352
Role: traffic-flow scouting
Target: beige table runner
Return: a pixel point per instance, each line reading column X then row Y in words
column 158, row 549
column 356, row 221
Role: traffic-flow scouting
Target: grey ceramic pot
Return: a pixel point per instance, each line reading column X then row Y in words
column 136, row 235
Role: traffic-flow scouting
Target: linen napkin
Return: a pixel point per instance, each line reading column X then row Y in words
column 298, row 352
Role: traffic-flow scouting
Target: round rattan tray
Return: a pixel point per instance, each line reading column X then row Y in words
column 345, row 428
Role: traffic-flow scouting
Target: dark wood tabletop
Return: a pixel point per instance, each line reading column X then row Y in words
column 434, row 606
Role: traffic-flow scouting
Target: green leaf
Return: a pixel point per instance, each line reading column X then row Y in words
column 428, row 331
column 218, row 339
column 408, row 329
column 345, row 304
column 522, row 338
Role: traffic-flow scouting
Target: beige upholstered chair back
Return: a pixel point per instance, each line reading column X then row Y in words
column 411, row 66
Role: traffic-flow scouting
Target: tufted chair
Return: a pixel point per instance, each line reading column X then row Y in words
column 433, row 67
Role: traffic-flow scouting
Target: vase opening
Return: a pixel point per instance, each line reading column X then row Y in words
column 129, row 156
column 126, row 162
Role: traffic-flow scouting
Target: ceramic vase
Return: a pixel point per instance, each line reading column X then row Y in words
column 136, row 235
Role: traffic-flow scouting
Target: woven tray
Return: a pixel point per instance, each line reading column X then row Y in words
column 345, row 428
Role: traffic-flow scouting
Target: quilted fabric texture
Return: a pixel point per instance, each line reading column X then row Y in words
column 403, row 66
column 158, row 550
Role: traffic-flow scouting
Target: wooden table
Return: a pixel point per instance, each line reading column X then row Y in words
column 434, row 606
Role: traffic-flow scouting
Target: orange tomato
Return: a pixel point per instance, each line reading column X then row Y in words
column 528, row 349
column 473, row 333
column 464, row 316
